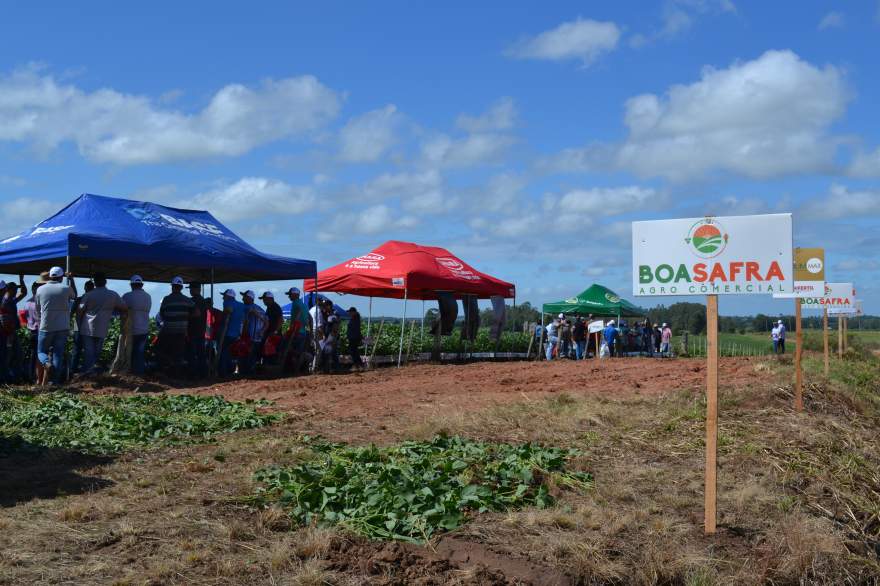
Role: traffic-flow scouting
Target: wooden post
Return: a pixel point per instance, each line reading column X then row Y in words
column 531, row 331
column 596, row 351
column 845, row 334
column 825, row 339
column 376, row 343
column 798, row 351
column 711, row 412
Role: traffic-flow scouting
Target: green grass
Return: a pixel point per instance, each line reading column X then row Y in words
column 759, row 344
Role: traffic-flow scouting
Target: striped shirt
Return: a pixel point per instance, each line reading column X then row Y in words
column 175, row 311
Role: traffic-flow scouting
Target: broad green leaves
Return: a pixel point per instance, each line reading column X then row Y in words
column 109, row 424
column 415, row 489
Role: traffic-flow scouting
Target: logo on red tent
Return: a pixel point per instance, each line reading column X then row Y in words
column 456, row 268
column 369, row 261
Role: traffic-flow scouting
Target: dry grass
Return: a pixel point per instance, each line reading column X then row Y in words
column 799, row 499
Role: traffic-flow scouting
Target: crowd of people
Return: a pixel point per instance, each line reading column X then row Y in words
column 66, row 331
column 572, row 339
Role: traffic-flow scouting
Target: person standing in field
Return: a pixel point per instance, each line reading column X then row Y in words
column 95, row 312
column 139, row 304
column 355, row 338
column 610, row 336
column 175, row 311
column 579, row 333
column 255, row 322
column 274, row 317
column 77, row 347
column 9, row 326
column 233, row 320
column 781, row 336
column 665, row 340
column 774, row 337
column 295, row 345
column 196, row 344
column 35, row 369
column 53, row 306
column 552, row 338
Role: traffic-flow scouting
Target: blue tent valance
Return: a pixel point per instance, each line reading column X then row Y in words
column 121, row 237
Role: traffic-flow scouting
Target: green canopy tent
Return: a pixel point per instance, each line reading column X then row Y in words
column 597, row 300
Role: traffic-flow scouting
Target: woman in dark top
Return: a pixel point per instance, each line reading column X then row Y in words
column 355, row 339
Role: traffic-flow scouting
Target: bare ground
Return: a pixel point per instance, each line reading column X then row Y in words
column 798, row 494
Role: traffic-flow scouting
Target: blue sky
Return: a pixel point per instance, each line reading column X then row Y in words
column 524, row 140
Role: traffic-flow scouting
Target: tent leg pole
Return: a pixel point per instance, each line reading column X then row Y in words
column 67, row 264
column 369, row 316
column 402, row 327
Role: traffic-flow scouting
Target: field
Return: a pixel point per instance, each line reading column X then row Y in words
column 595, row 471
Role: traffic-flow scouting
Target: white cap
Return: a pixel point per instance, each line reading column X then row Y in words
column 56, row 272
column 177, row 281
column 664, row 324
column 267, row 295
column 779, row 322
column 561, row 315
column 293, row 291
column 229, row 293
column 611, row 323
column 136, row 279
column 250, row 294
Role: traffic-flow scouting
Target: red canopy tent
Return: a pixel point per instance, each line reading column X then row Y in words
column 405, row 270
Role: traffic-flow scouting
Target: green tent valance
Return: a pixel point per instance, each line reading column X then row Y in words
column 597, row 300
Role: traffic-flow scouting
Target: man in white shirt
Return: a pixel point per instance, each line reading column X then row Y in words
column 52, row 303
column 139, row 304
column 94, row 313
column 552, row 337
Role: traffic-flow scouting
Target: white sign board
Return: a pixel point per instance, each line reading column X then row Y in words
column 732, row 255
column 855, row 311
column 837, row 296
column 596, row 326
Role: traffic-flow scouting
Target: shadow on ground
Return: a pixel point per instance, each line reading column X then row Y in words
column 29, row 471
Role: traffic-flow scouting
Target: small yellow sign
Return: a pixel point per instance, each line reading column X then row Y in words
column 809, row 264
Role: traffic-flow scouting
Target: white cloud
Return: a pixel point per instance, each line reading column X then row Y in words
column 474, row 149
column 843, row 203
column 19, row 214
column 420, row 193
column 369, row 221
column 501, row 116
column 865, row 164
column 112, row 127
column 832, row 20
column 679, row 16
column 582, row 39
column 253, row 197
column 762, row 118
column 369, row 136
column 606, row 201
column 501, row 193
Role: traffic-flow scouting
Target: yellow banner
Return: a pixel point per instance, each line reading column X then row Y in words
column 809, row 264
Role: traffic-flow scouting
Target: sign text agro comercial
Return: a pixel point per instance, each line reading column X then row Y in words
column 733, row 255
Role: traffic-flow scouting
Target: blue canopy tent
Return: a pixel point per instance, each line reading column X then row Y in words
column 309, row 300
column 120, row 237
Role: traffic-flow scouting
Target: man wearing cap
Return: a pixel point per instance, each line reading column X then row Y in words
column 10, row 348
column 274, row 317
column 665, row 339
column 175, row 311
column 139, row 304
column 95, row 312
column 254, row 326
column 196, row 345
column 295, row 342
column 610, row 335
column 233, row 321
column 76, row 348
column 552, row 336
column 53, row 306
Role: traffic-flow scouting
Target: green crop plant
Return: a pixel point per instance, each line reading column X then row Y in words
column 413, row 490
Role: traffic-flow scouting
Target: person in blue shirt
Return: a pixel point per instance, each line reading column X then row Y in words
column 233, row 320
column 610, row 335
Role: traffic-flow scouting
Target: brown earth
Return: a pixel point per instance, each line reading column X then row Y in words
column 179, row 515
